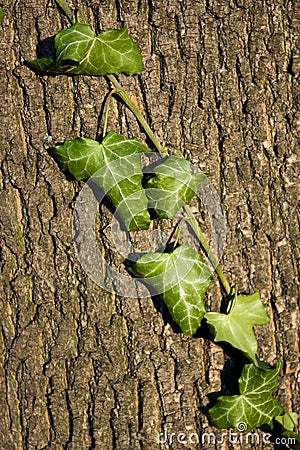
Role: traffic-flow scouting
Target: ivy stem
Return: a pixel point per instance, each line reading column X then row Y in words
column 108, row 102
column 68, row 12
column 118, row 90
column 205, row 245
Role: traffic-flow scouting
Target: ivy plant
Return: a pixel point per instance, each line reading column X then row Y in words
column 183, row 278
column 172, row 185
column 180, row 275
column 115, row 165
column 80, row 51
column 236, row 326
column 255, row 405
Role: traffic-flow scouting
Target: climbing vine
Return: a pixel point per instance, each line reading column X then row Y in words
column 180, row 274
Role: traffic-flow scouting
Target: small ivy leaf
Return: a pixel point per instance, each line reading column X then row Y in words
column 236, row 327
column 49, row 65
column 182, row 277
column 288, row 420
column 79, row 51
column 254, row 406
column 115, row 165
column 173, row 185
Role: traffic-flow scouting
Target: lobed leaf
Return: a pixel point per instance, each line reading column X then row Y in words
column 80, row 51
column 173, row 185
column 236, row 327
column 288, row 423
column 254, row 406
column 288, row 420
column 182, row 277
column 114, row 164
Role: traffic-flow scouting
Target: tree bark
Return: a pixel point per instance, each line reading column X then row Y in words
column 85, row 369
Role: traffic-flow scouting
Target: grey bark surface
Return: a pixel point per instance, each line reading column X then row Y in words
column 82, row 368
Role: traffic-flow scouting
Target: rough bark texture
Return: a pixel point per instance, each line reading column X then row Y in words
column 81, row 368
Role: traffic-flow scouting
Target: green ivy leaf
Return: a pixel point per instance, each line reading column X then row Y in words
column 182, row 277
column 236, row 327
column 80, row 51
column 288, row 420
column 288, row 423
column 115, row 165
column 172, row 186
column 254, row 406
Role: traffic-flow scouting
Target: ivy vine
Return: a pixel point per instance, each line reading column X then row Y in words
column 180, row 274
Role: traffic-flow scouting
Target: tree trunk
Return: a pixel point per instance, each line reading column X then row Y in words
column 82, row 368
